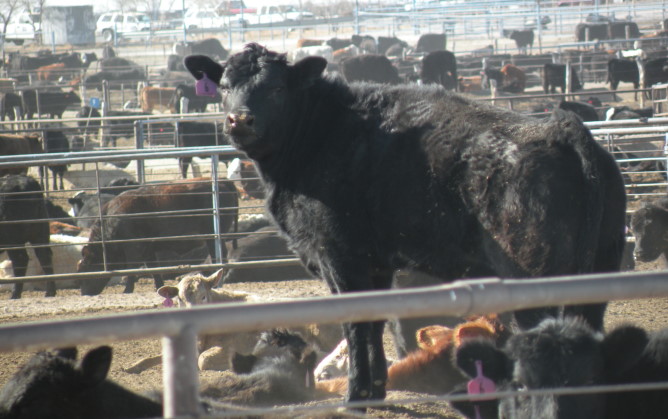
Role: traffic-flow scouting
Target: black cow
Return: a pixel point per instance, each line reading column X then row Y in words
column 22, row 199
column 55, row 385
column 264, row 244
column 649, row 224
column 387, row 42
column 197, row 134
column 119, row 185
column 195, row 103
column 55, row 142
column 116, row 78
column 279, row 371
column 118, row 64
column 655, row 71
column 189, row 198
column 86, row 207
column 568, row 353
column 440, row 67
column 623, row 70
column 523, row 38
column 334, row 156
column 9, row 102
column 618, row 30
column 370, row 67
column 554, row 75
column 616, row 113
column 596, row 31
column 210, row 47
column 338, row 43
column 489, row 73
column 430, row 42
column 585, row 111
column 52, row 104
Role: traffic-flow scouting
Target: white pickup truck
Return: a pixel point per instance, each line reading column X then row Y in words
column 271, row 15
column 21, row 28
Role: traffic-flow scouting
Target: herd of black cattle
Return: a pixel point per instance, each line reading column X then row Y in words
column 377, row 166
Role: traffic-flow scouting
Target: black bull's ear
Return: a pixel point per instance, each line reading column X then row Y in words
column 305, row 71
column 198, row 65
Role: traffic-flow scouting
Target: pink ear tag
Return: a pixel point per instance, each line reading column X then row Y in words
column 480, row 384
column 168, row 302
column 205, row 87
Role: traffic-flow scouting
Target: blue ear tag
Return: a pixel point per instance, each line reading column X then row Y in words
column 205, row 87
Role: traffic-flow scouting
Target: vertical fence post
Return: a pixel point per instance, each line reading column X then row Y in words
column 665, row 150
column 139, row 144
column 216, row 207
column 180, row 374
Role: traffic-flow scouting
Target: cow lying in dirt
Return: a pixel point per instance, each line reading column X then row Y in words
column 215, row 350
column 278, row 371
column 428, row 369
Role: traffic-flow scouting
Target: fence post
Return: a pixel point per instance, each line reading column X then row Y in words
column 216, row 208
column 139, row 144
column 665, row 150
column 568, row 88
column 180, row 374
column 641, row 76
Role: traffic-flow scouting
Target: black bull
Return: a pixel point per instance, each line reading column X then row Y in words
column 367, row 179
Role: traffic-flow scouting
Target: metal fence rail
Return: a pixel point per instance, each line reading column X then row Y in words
column 179, row 328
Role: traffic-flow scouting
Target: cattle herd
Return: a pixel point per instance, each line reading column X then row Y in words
column 373, row 157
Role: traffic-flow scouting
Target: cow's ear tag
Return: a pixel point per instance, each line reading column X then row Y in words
column 168, row 302
column 205, row 87
column 480, row 384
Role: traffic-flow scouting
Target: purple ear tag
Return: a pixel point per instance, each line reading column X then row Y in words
column 168, row 302
column 205, row 87
column 480, row 384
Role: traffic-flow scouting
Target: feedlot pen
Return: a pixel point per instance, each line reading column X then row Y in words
column 646, row 141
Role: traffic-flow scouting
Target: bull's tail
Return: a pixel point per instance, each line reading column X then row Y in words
column 570, row 131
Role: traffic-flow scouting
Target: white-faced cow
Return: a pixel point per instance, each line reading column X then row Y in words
column 365, row 179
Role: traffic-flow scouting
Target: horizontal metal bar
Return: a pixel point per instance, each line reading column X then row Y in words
column 460, row 298
column 151, row 271
column 142, row 154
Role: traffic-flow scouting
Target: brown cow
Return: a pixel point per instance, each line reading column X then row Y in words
column 309, row 42
column 50, row 72
column 157, row 98
column 514, row 79
column 429, row 369
column 14, row 144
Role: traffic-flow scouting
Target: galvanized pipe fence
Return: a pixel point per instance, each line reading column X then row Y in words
column 179, row 328
column 608, row 133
